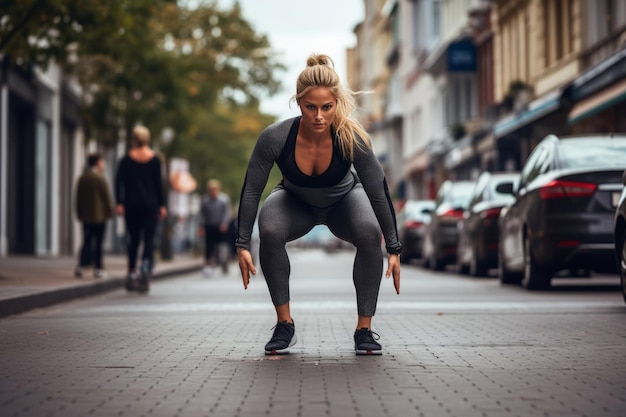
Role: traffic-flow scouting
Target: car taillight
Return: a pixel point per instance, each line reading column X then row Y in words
column 413, row 224
column 455, row 214
column 490, row 215
column 564, row 189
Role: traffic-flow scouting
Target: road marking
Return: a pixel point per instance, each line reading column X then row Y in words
column 382, row 305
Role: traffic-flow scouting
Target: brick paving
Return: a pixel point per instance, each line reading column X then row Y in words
column 193, row 347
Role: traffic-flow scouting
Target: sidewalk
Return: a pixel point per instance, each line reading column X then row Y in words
column 29, row 282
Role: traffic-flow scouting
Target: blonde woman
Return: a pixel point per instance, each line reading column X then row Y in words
column 330, row 176
column 140, row 199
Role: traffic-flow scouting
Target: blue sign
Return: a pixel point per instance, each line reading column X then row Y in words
column 461, row 56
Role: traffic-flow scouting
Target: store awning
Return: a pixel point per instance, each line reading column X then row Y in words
column 598, row 102
column 536, row 109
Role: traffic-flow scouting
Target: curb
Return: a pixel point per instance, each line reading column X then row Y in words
column 43, row 299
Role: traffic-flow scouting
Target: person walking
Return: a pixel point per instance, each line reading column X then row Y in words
column 330, row 176
column 216, row 214
column 94, row 207
column 140, row 199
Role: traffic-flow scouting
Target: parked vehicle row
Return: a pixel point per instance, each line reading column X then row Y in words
column 441, row 235
column 479, row 229
column 565, row 212
column 412, row 220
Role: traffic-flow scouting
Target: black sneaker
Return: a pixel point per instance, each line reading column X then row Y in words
column 131, row 282
column 283, row 338
column 144, row 279
column 365, row 342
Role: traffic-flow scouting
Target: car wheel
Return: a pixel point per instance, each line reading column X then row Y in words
column 434, row 263
column 477, row 267
column 622, row 266
column 462, row 268
column 506, row 276
column 535, row 277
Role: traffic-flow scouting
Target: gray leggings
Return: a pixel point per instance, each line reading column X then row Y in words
column 284, row 218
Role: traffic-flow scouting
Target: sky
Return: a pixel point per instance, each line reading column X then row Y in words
column 297, row 29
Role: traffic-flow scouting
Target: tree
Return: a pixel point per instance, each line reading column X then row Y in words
column 36, row 32
column 225, row 69
column 198, row 71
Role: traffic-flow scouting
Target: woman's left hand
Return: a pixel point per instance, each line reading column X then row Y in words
column 393, row 269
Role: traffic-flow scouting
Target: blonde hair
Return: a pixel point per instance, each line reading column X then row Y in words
column 320, row 72
column 140, row 136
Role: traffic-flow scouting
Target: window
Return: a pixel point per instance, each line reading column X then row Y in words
column 416, row 25
column 557, row 24
column 529, row 172
column 436, row 22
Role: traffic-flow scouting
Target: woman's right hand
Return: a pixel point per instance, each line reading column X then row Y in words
column 119, row 209
column 245, row 265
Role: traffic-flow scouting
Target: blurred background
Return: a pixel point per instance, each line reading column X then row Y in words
column 455, row 88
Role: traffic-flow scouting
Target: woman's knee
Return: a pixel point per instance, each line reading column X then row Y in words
column 367, row 235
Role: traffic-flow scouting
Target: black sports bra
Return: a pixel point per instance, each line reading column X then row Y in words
column 335, row 172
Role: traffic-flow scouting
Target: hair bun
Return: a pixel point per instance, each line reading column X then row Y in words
column 319, row 59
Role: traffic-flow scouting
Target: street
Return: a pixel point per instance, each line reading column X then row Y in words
column 453, row 346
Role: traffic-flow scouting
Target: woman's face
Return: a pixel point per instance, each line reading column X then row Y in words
column 318, row 107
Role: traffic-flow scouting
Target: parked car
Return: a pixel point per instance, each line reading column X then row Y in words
column 563, row 214
column 620, row 236
column 477, row 250
column 412, row 221
column 441, row 235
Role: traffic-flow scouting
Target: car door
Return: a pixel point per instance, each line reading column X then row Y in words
column 514, row 227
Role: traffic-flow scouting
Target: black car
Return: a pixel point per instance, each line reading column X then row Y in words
column 440, row 239
column 563, row 214
column 620, row 236
column 412, row 221
column 478, row 231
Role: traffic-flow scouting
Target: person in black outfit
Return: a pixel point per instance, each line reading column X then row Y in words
column 140, row 199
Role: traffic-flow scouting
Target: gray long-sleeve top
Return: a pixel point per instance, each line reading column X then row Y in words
column 276, row 144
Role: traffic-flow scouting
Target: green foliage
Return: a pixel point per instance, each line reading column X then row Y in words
column 200, row 72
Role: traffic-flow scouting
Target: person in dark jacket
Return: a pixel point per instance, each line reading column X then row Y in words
column 216, row 214
column 94, row 207
column 140, row 199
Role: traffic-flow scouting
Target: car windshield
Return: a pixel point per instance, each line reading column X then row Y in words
column 593, row 153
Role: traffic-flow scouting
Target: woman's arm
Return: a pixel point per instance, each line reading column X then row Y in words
column 375, row 185
column 265, row 154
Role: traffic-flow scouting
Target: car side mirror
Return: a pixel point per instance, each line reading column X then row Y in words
column 505, row 188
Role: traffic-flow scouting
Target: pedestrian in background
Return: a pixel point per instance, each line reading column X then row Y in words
column 140, row 199
column 94, row 207
column 216, row 217
column 316, row 153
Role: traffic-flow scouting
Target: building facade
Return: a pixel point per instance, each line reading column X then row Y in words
column 474, row 85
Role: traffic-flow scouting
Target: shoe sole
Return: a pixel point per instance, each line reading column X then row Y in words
column 284, row 351
column 368, row 352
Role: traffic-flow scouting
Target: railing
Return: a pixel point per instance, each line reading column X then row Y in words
column 604, row 48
